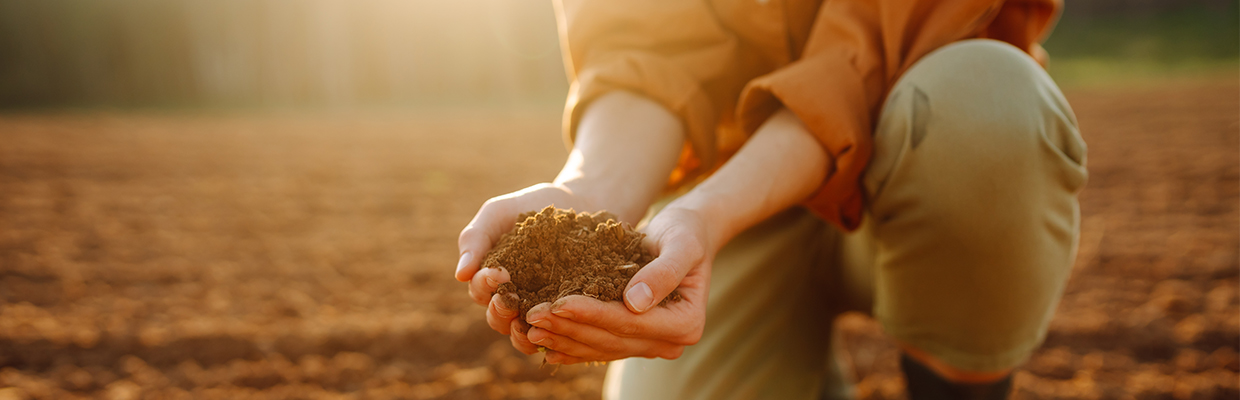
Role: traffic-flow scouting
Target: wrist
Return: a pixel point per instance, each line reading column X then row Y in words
column 598, row 197
column 716, row 224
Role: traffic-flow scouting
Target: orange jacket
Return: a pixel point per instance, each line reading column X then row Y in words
column 724, row 66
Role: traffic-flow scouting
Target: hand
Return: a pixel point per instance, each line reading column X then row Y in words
column 684, row 238
column 578, row 329
column 496, row 217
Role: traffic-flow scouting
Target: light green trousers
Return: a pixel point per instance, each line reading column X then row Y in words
column 970, row 234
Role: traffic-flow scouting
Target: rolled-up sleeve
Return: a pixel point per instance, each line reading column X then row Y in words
column 856, row 51
column 674, row 52
column 723, row 67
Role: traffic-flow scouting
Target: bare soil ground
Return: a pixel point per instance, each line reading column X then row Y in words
column 309, row 255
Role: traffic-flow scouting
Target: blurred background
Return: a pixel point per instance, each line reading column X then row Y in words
column 277, row 52
column 260, row 199
column 290, row 52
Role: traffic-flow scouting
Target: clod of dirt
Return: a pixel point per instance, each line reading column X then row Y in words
column 555, row 253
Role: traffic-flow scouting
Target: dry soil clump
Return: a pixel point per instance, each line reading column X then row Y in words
column 554, row 253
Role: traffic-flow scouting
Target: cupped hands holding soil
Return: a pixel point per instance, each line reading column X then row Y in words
column 554, row 253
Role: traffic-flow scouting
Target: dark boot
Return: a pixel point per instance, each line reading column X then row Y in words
column 924, row 384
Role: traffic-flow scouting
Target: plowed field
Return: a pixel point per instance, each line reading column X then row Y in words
column 178, row 254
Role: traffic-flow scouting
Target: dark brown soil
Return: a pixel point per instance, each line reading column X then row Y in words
column 555, row 253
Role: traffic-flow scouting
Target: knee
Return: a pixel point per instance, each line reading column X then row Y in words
column 989, row 92
column 977, row 160
column 987, row 81
column 985, row 113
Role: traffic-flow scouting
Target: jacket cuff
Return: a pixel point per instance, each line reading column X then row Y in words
column 831, row 100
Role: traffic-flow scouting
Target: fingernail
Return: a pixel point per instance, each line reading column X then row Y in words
column 543, row 341
column 465, row 259
column 563, row 313
column 504, row 312
column 541, row 323
column 639, row 297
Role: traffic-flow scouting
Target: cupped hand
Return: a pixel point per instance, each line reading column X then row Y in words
column 578, row 329
column 496, row 217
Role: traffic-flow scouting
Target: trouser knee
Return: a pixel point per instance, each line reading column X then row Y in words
column 972, row 195
column 999, row 125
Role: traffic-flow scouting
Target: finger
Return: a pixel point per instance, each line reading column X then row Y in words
column 555, row 357
column 519, row 340
column 492, row 220
column 677, row 323
column 597, row 344
column 523, row 346
column 598, row 339
column 485, row 282
column 497, row 216
column 563, row 344
column 679, row 253
column 499, row 316
column 614, row 347
column 472, row 243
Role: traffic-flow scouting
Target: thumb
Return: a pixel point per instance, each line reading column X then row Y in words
column 492, row 220
column 659, row 278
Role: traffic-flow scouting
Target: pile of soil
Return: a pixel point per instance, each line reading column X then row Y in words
column 554, row 253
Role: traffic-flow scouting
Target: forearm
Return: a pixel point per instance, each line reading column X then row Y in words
column 780, row 166
column 625, row 148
